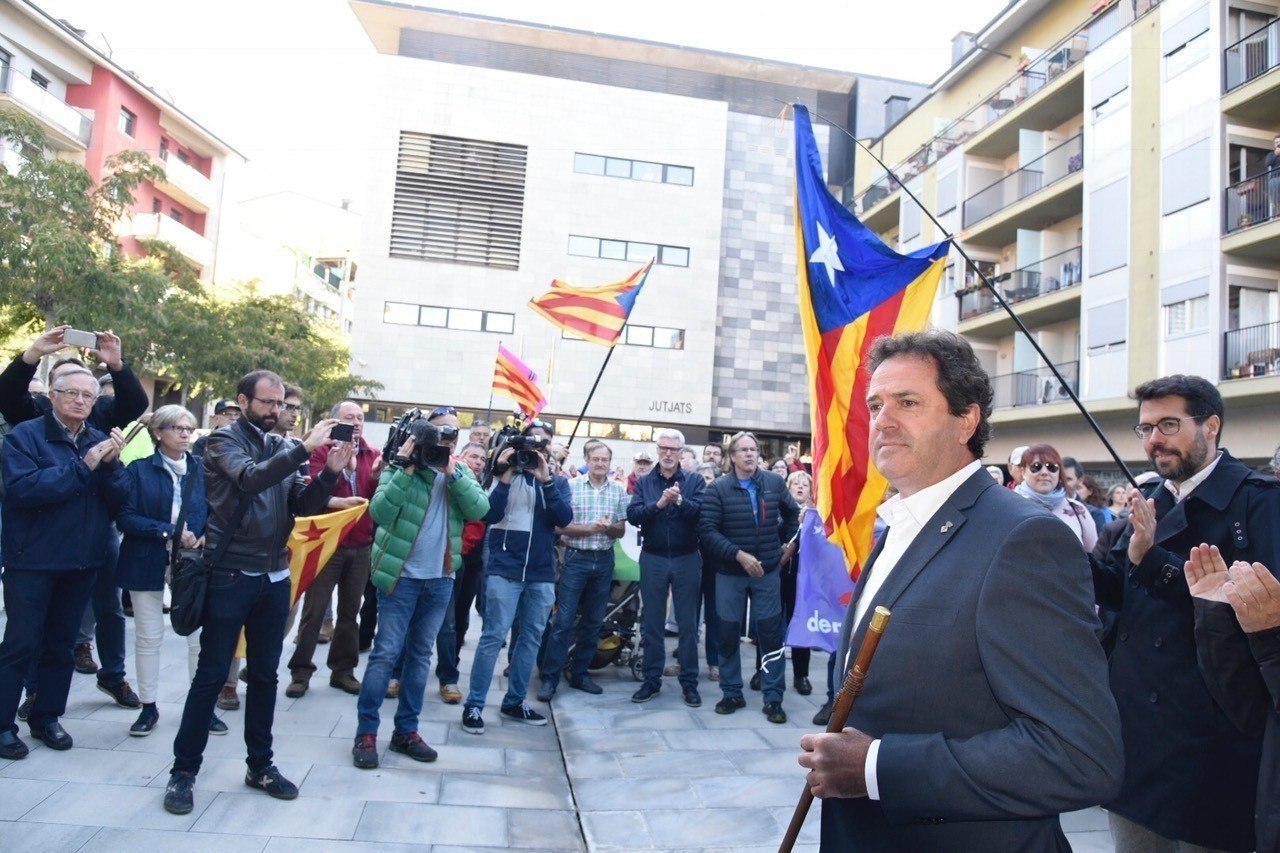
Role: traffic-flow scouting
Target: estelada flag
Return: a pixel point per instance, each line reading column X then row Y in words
column 595, row 314
column 853, row 289
column 512, row 377
column 311, row 544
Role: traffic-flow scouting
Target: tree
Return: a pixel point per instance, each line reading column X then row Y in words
column 61, row 262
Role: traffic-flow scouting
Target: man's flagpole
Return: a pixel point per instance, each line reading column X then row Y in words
column 592, row 392
column 995, row 291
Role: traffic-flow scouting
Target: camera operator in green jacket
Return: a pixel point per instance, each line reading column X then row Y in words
column 423, row 500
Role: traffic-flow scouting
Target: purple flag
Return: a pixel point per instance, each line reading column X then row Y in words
column 823, row 589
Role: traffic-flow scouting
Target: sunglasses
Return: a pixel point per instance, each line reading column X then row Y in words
column 1037, row 467
column 442, row 410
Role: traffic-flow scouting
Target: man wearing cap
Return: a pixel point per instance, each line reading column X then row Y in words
column 642, row 463
column 225, row 412
column 1015, row 466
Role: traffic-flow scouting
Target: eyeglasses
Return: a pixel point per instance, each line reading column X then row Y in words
column 291, row 408
column 181, row 430
column 662, row 449
column 270, row 404
column 537, row 423
column 1167, row 426
column 1037, row 467
column 87, row 396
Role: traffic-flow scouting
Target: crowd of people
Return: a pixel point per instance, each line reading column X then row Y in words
column 1055, row 643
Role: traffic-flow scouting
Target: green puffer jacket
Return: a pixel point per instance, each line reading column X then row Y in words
column 400, row 506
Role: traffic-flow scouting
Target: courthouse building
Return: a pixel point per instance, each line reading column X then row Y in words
column 1105, row 163
column 505, row 155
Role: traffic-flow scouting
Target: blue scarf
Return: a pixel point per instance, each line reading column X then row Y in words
column 1052, row 501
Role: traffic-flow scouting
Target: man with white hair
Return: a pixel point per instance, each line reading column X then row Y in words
column 58, row 476
column 666, row 506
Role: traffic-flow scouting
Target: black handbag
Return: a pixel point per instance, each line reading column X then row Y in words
column 189, row 574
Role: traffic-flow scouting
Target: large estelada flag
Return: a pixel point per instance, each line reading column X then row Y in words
column 311, row 543
column 595, row 314
column 853, row 289
column 512, row 377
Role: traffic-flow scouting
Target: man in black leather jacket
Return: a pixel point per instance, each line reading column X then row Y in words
column 249, row 587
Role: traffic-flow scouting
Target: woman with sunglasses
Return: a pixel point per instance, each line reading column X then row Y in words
column 163, row 488
column 1042, row 483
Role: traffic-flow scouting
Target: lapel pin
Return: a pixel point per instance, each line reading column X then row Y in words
column 945, row 527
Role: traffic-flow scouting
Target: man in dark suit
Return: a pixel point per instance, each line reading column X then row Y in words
column 986, row 712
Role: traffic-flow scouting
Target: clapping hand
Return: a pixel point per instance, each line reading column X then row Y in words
column 1142, row 513
column 1254, row 594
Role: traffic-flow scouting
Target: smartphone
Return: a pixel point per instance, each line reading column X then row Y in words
column 342, row 432
column 77, row 338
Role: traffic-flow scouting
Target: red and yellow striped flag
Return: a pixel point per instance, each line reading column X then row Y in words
column 853, row 289
column 512, row 377
column 595, row 314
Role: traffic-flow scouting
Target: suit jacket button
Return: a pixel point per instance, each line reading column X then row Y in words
column 1159, row 642
column 1154, row 697
column 1124, row 636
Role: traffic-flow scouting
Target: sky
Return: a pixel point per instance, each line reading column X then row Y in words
column 283, row 81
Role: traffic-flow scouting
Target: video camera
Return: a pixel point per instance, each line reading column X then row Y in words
column 527, row 455
column 427, row 449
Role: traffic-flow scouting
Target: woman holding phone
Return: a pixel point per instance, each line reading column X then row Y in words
column 163, row 489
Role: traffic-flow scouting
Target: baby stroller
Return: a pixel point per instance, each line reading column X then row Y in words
column 618, row 645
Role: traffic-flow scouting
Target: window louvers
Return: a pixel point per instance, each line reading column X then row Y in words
column 458, row 200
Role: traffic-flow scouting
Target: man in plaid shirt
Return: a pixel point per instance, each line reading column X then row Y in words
column 599, row 517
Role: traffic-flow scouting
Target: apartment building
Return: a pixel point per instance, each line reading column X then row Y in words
column 91, row 108
column 507, row 154
column 1104, row 163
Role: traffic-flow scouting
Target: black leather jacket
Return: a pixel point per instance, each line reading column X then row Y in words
column 240, row 460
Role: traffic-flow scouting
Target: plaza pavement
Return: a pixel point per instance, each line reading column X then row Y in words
column 605, row 775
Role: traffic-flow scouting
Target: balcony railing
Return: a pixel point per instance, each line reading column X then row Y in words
column 1025, row 83
column 1044, row 171
column 189, row 181
column 1252, row 56
column 1252, row 201
column 1050, row 274
column 1251, row 351
column 1035, row 387
column 196, row 247
column 40, row 102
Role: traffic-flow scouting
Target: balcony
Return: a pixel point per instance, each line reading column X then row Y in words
column 1251, row 93
column 1054, row 273
column 1037, row 387
column 1046, row 190
column 185, row 185
column 154, row 226
column 1251, row 217
column 66, row 127
column 1251, row 351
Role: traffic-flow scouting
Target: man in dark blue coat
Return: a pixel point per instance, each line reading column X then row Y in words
column 58, row 480
column 1188, row 691
column 746, row 516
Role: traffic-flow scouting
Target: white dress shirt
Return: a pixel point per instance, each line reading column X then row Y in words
column 906, row 517
column 1181, row 490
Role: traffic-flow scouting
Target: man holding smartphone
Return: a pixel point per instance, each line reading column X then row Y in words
column 249, row 473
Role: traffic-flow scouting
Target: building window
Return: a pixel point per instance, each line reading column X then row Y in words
column 155, row 205
column 175, row 215
column 626, row 250
column 657, row 337
column 439, row 317
column 164, row 148
column 1184, row 56
column 458, row 200
column 635, row 170
column 128, row 123
column 1190, row 315
column 40, row 80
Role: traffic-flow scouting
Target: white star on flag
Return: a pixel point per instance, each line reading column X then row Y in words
column 827, row 254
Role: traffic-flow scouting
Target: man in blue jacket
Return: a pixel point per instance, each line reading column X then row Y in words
column 526, row 505
column 746, row 516
column 58, row 473
column 665, row 507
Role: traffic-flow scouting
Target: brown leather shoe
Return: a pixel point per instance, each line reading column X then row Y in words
column 346, row 682
column 228, row 699
column 393, row 688
column 85, row 664
column 450, row 694
column 296, row 689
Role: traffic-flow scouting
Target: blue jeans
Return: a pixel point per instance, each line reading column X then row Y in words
column 766, row 611
column 711, row 624
column 447, row 638
column 408, row 620
column 504, row 598
column 683, row 576
column 234, row 601
column 584, row 585
column 43, row 610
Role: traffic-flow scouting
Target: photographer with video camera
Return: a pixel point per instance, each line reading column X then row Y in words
column 423, row 500
column 526, row 505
